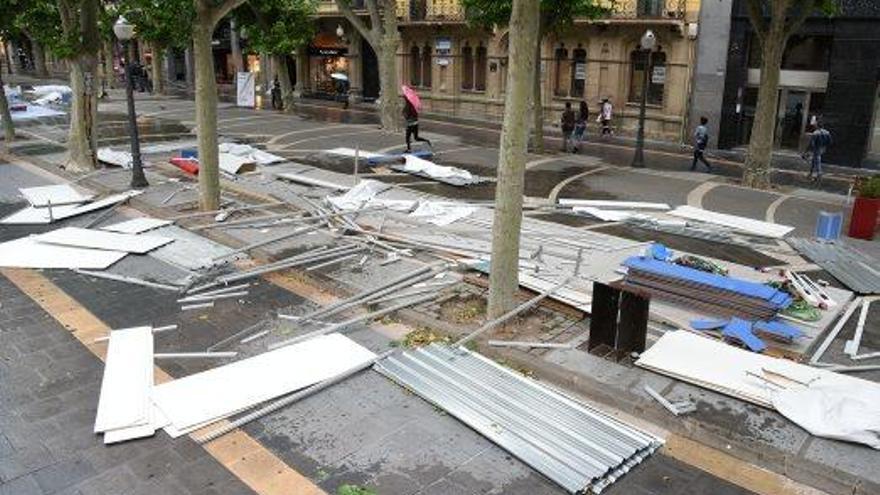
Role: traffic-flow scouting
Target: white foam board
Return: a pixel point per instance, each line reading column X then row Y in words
column 128, row 377
column 214, row 394
column 57, row 195
column 742, row 224
column 351, row 152
column 233, row 164
column 137, row 225
column 99, row 239
column 620, row 205
column 27, row 252
column 31, row 215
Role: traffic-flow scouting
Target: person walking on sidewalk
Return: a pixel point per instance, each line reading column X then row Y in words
column 567, row 124
column 580, row 126
column 819, row 142
column 605, row 117
column 701, row 140
column 411, row 115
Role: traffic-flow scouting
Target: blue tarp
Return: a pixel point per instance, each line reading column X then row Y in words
column 741, row 330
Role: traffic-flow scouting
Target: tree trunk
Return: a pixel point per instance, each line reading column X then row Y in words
column 760, row 154
column 158, row 73
column 82, row 140
column 39, row 58
column 206, row 115
column 5, row 116
column 504, row 269
column 189, row 69
column 279, row 62
column 389, row 110
column 107, row 65
column 538, row 103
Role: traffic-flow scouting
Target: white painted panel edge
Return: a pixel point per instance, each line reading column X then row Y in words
column 744, row 224
column 27, row 252
column 58, row 194
column 99, row 239
column 124, row 400
column 241, row 384
column 599, row 203
column 137, row 225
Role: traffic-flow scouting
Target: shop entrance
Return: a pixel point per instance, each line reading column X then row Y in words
column 370, row 71
column 797, row 113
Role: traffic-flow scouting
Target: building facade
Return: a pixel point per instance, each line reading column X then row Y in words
column 830, row 73
column 461, row 71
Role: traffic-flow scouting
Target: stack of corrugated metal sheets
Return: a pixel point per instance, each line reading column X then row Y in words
column 708, row 292
column 859, row 272
column 576, row 446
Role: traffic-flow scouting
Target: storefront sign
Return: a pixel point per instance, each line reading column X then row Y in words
column 580, row 71
column 658, row 76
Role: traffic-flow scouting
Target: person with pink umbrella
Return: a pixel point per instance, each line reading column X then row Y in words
column 411, row 108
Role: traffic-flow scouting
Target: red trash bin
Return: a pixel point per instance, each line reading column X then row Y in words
column 863, row 220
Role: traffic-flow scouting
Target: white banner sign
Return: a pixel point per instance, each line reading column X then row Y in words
column 659, row 75
column 246, row 89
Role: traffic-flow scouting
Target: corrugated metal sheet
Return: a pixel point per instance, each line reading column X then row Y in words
column 857, row 271
column 575, row 445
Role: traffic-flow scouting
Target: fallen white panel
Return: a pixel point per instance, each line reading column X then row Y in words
column 311, row 181
column 248, row 152
column 625, row 205
column 717, row 366
column 360, row 195
column 233, row 164
column 441, row 214
column 128, row 378
column 605, row 215
column 742, row 224
column 31, row 215
column 27, row 252
column 56, row 195
column 34, row 112
column 118, row 158
column 137, row 225
column 99, row 239
column 214, row 394
column 351, row 152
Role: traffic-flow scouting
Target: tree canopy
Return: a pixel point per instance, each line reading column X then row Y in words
column 167, row 23
column 555, row 14
column 277, row 27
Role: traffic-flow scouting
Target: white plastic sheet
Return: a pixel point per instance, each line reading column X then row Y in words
column 112, row 157
column 415, row 164
column 834, row 410
column 441, row 213
column 250, row 153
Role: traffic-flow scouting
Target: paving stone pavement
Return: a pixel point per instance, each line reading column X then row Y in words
column 48, row 398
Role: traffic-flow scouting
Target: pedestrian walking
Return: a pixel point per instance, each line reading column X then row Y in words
column 819, row 143
column 411, row 107
column 580, row 126
column 567, row 124
column 605, row 115
column 277, row 102
column 701, row 140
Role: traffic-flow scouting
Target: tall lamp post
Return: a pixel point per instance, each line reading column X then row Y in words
column 647, row 45
column 125, row 32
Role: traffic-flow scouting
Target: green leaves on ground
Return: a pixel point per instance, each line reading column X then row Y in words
column 355, row 490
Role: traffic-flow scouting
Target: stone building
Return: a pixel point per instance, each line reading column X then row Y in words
column 461, row 71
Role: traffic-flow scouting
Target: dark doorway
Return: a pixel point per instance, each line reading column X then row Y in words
column 370, row 72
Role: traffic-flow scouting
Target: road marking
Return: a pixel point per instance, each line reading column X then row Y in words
column 237, row 451
column 695, row 197
column 286, row 146
column 301, row 131
column 559, row 187
column 770, row 216
column 540, row 161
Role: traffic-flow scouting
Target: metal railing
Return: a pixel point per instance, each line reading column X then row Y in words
column 430, row 10
column 647, row 9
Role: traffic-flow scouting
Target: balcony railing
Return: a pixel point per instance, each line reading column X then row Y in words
column 430, row 11
column 647, row 9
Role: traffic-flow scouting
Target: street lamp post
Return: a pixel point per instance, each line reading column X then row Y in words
column 125, row 32
column 647, row 44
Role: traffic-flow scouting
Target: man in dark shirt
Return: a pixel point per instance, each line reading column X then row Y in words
column 567, row 126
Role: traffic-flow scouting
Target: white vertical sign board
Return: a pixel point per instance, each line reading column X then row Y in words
column 246, row 89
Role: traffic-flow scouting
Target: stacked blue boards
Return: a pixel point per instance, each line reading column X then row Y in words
column 708, row 293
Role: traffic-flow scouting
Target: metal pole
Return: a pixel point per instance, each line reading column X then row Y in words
column 639, row 156
column 138, row 179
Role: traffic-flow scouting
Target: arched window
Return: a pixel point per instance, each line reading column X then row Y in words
column 563, row 66
column 578, row 72
column 467, row 67
column 415, row 70
column 656, row 76
column 426, row 66
column 480, row 69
